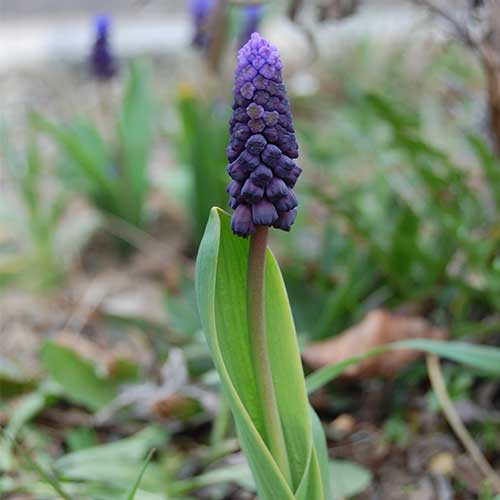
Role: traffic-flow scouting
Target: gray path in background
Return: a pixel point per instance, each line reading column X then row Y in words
column 48, row 8
column 35, row 31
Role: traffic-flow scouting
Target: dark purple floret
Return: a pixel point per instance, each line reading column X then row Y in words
column 292, row 176
column 263, row 145
column 248, row 161
column 234, row 189
column 271, row 155
column 261, row 97
column 251, row 193
column 287, row 202
column 276, row 189
column 262, row 175
column 236, row 172
column 286, row 220
column 271, row 134
column 234, row 149
column 241, row 222
column 102, row 61
column 241, row 131
column 256, row 144
column 264, row 213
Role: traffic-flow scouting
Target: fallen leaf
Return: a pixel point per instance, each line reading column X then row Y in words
column 175, row 406
column 105, row 355
column 378, row 328
column 140, row 299
column 442, row 463
column 343, row 425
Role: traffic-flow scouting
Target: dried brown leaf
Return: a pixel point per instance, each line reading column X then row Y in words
column 378, row 328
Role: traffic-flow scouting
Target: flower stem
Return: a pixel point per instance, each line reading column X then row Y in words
column 273, row 437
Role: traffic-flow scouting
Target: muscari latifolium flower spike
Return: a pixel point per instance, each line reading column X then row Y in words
column 201, row 10
column 252, row 16
column 281, row 438
column 263, row 147
column 102, row 61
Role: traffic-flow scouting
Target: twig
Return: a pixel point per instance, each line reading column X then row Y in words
column 133, row 235
column 90, row 301
column 461, row 30
column 439, row 387
column 294, row 8
column 218, row 26
column 141, row 240
column 47, row 476
column 246, row 3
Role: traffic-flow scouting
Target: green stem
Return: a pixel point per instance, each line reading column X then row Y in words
column 273, row 431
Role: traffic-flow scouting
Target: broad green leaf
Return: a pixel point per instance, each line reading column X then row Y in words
column 239, row 474
column 78, row 377
column 114, row 492
column 78, row 491
column 221, row 293
column 202, row 143
column 27, row 407
column 88, row 154
column 12, row 373
column 484, row 359
column 321, row 377
column 80, row 438
column 131, row 449
column 116, row 463
column 349, row 478
column 136, row 132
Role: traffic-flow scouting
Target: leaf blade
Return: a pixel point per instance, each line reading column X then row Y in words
column 485, row 359
column 221, row 293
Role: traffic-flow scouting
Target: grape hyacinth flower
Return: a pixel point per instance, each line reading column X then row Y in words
column 252, row 18
column 280, row 435
column 263, row 147
column 102, row 60
column 200, row 12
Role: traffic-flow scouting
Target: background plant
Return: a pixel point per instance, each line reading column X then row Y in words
column 201, row 144
column 34, row 255
column 113, row 176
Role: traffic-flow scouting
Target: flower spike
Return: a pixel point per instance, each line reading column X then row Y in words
column 102, row 61
column 263, row 147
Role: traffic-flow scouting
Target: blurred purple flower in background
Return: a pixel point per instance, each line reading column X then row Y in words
column 102, row 61
column 252, row 17
column 200, row 12
column 263, row 145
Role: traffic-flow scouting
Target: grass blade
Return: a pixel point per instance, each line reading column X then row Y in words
column 133, row 490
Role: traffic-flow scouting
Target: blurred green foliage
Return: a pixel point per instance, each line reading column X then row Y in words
column 202, row 143
column 113, row 176
column 399, row 208
column 395, row 213
column 34, row 257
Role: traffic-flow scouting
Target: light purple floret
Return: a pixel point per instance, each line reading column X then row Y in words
column 263, row 147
